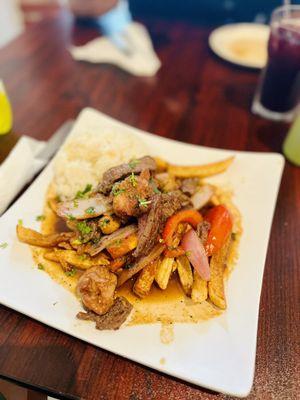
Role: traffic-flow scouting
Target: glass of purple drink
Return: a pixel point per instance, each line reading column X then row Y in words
column 278, row 92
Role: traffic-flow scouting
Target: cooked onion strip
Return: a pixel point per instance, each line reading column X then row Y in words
column 108, row 240
column 140, row 264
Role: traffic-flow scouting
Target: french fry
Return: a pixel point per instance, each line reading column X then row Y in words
column 163, row 272
column 117, row 264
column 174, row 266
column 199, row 289
column 65, row 266
column 52, row 256
column 185, row 274
column 65, row 245
column 216, row 283
column 144, row 282
column 29, row 236
column 161, row 165
column 109, row 224
column 123, row 246
column 200, row 171
column 71, row 257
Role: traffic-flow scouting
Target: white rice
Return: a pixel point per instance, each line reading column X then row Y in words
column 85, row 156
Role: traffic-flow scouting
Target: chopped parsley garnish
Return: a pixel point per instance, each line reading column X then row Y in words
column 154, row 187
column 116, row 190
column 58, row 198
column 133, row 163
column 83, row 228
column 40, row 217
column 133, row 179
column 161, row 240
column 71, row 217
column 144, row 202
column 20, row 222
column 3, row 245
column 83, row 257
column 118, row 242
column 75, row 203
column 41, row 267
column 188, row 253
column 90, row 210
column 71, row 272
column 128, row 266
column 104, row 222
column 82, row 194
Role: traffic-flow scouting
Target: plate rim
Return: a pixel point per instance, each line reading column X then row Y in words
column 212, row 39
column 214, row 387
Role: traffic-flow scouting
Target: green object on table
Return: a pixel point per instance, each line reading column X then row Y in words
column 2, row 397
column 291, row 145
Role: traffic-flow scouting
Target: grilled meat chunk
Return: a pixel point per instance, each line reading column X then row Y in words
column 115, row 174
column 113, row 319
column 96, row 288
column 131, row 197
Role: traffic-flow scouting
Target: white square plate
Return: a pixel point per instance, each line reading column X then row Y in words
column 218, row 354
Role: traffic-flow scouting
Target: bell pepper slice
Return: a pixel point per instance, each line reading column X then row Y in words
column 193, row 217
column 220, row 228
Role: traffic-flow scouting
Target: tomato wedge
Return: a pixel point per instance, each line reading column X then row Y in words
column 193, row 217
column 220, row 227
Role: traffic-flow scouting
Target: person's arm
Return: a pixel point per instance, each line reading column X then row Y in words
column 91, row 8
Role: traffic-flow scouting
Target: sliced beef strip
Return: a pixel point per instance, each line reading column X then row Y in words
column 184, row 200
column 113, row 319
column 189, row 186
column 115, row 174
column 150, row 225
column 202, row 230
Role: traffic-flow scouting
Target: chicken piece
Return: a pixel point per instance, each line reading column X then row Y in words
column 96, row 288
column 131, row 196
column 119, row 172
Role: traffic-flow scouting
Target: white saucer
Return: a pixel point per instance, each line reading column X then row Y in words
column 243, row 44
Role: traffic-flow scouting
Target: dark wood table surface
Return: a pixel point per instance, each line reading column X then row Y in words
column 197, row 98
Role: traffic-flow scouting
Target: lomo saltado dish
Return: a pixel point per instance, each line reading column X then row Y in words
column 152, row 242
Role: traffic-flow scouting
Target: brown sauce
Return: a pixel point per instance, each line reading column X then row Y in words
column 173, row 292
column 165, row 306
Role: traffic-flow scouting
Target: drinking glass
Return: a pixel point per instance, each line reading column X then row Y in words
column 278, row 91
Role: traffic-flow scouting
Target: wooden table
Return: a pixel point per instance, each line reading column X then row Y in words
column 195, row 98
